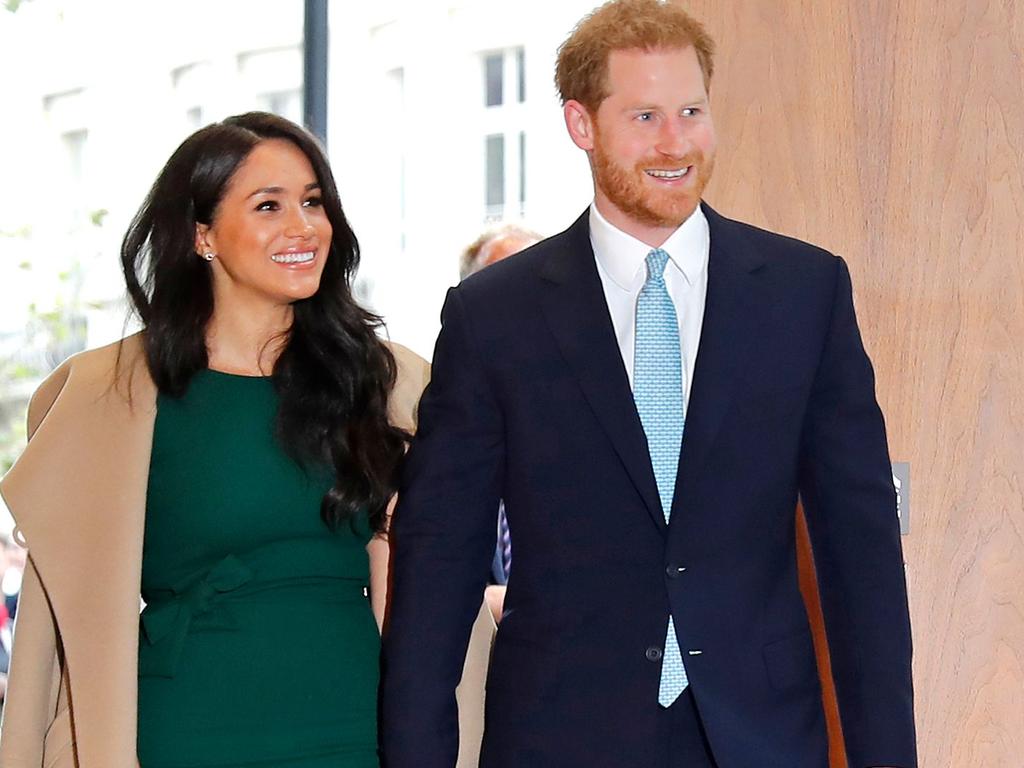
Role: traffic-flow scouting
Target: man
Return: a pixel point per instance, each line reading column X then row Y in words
column 649, row 392
column 493, row 246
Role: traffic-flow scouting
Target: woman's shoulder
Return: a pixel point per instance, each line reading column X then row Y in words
column 412, row 378
column 94, row 372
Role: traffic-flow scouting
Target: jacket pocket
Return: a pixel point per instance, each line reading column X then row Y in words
column 790, row 662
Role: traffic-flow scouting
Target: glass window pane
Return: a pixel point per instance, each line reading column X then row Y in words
column 74, row 146
column 521, row 73
column 284, row 103
column 522, row 167
column 495, row 170
column 494, row 84
column 194, row 118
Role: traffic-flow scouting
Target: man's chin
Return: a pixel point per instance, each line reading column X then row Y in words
column 672, row 215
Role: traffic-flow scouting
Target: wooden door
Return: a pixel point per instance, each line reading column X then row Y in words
column 892, row 133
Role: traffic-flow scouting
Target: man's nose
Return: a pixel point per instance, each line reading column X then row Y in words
column 673, row 140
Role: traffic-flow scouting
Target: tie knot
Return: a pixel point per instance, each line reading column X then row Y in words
column 656, row 261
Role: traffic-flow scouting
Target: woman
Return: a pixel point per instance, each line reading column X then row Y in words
column 236, row 458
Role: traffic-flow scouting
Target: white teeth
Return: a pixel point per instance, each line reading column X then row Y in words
column 292, row 258
column 669, row 174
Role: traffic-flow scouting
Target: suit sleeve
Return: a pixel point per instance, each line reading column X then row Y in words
column 850, row 503
column 443, row 540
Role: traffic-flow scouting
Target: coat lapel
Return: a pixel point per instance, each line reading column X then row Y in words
column 78, row 494
column 577, row 314
column 731, row 320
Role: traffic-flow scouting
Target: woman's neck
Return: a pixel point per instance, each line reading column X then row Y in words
column 249, row 341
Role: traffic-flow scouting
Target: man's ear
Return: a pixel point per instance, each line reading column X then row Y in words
column 580, row 124
column 204, row 239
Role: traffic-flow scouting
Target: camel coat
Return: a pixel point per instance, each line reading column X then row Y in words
column 78, row 496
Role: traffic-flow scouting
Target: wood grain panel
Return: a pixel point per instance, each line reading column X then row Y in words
column 892, row 132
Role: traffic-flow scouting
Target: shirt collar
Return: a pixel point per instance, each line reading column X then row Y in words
column 622, row 256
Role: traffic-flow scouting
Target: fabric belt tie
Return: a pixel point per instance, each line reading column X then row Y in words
column 166, row 624
column 170, row 614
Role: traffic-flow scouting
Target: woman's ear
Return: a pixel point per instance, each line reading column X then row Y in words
column 204, row 239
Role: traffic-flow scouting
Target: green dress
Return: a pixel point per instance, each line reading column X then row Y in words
column 257, row 644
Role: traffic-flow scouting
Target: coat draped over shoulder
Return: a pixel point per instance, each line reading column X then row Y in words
column 78, row 496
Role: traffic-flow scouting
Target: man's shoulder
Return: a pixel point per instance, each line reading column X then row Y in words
column 774, row 248
column 512, row 279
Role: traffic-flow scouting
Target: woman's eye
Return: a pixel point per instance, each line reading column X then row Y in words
column 314, row 202
column 267, row 205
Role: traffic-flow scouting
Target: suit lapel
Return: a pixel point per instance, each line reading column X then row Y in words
column 577, row 314
column 732, row 315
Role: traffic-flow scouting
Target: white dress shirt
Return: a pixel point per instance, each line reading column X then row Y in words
column 623, row 271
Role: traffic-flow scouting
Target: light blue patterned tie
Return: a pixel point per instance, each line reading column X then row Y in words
column 658, row 392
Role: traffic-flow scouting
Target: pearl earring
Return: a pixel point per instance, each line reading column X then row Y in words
column 208, row 256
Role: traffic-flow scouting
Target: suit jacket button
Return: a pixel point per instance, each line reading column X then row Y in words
column 654, row 653
column 674, row 571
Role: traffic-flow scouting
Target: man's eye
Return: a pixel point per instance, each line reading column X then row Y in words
column 690, row 112
column 645, row 117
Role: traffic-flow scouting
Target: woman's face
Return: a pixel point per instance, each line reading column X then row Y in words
column 270, row 234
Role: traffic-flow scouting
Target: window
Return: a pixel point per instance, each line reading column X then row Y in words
column 494, row 79
column 522, row 169
column 284, row 103
column 66, row 113
column 504, row 140
column 495, row 175
column 194, row 118
column 191, row 84
column 74, row 151
column 395, row 94
column 521, row 73
column 274, row 78
column 501, row 68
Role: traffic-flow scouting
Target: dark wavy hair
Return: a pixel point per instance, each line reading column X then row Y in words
column 333, row 375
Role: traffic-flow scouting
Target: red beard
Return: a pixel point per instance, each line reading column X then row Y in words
column 628, row 191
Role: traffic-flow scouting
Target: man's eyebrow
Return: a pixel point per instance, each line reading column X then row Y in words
column 653, row 107
column 278, row 190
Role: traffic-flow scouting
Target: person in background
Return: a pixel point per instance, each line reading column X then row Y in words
column 493, row 246
column 11, row 574
column 650, row 392
column 12, row 569
column 489, row 248
column 234, row 460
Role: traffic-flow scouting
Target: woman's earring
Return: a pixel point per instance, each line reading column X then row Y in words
column 208, row 256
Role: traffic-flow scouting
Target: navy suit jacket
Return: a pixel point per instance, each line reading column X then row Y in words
column 529, row 402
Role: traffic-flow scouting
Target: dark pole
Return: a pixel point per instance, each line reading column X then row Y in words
column 314, row 68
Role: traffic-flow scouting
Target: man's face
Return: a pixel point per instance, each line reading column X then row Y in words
column 651, row 142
